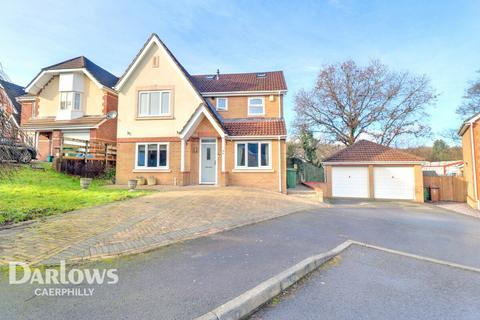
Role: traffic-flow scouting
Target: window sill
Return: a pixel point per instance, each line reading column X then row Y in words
column 155, row 118
column 253, row 170
column 151, row 170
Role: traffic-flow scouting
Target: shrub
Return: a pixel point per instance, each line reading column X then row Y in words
column 89, row 169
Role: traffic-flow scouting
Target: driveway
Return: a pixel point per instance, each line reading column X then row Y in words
column 143, row 223
column 188, row 279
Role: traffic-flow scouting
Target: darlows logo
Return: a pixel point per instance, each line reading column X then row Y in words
column 61, row 276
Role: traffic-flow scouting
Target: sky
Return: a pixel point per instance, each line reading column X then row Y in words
column 436, row 38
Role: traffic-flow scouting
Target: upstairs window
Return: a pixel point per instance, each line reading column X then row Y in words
column 253, row 155
column 153, row 103
column 222, row 104
column 70, row 100
column 256, row 106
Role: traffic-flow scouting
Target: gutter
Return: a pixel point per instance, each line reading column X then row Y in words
column 372, row 162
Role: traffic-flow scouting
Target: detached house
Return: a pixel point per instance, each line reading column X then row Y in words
column 69, row 99
column 219, row 129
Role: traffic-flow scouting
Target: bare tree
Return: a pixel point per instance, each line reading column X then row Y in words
column 471, row 100
column 349, row 101
column 10, row 137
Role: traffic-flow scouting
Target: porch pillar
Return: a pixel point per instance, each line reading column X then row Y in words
column 182, row 156
column 223, row 154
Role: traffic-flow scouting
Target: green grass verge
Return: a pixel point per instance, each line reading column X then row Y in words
column 31, row 194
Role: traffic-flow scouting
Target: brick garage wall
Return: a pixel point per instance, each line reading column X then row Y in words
column 125, row 168
column 263, row 180
column 44, row 145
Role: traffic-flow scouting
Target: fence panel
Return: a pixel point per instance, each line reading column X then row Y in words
column 451, row 188
column 87, row 150
column 312, row 173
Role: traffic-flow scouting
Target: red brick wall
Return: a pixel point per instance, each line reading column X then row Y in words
column 110, row 102
column 44, row 145
column 106, row 132
column 26, row 112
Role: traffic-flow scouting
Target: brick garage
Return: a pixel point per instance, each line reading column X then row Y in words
column 372, row 171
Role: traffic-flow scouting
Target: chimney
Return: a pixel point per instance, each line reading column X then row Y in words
column 218, row 74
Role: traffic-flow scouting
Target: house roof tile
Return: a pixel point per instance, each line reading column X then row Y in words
column 255, row 127
column 103, row 76
column 231, row 82
column 367, row 151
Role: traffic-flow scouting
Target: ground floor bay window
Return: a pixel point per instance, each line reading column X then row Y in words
column 253, row 155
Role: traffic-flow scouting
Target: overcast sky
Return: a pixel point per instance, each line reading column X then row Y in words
column 438, row 38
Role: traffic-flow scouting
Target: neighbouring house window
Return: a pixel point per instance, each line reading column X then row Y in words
column 251, row 155
column 222, row 104
column 152, row 155
column 70, row 100
column 153, row 103
column 76, row 101
column 256, row 106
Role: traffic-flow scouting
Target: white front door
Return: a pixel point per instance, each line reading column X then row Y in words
column 394, row 183
column 350, row 182
column 208, row 161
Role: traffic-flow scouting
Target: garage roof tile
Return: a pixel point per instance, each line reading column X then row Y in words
column 367, row 151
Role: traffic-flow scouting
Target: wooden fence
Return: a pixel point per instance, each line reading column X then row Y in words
column 95, row 150
column 451, row 188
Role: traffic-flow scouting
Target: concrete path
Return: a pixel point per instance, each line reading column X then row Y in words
column 144, row 223
column 364, row 283
column 459, row 207
column 188, row 279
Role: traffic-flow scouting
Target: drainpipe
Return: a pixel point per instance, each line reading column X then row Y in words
column 279, row 166
column 474, row 164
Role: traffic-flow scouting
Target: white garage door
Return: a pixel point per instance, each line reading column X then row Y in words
column 350, row 182
column 80, row 135
column 394, row 183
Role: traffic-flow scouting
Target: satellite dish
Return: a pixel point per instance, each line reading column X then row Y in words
column 111, row 115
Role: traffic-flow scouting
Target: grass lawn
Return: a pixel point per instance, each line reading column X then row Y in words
column 31, row 194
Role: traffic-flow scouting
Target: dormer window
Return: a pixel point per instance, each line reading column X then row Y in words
column 70, row 100
column 222, row 104
column 256, row 106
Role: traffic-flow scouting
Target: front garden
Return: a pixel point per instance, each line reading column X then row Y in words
column 35, row 193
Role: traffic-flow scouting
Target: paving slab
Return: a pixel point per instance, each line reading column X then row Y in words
column 364, row 283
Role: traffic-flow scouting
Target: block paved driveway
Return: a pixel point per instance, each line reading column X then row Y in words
column 143, row 223
column 188, row 279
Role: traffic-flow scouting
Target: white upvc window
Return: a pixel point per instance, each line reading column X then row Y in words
column 153, row 103
column 152, row 155
column 256, row 106
column 253, row 155
column 222, row 104
column 70, row 100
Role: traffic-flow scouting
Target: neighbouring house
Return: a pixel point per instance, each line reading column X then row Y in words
column 470, row 133
column 443, row 168
column 219, row 129
column 8, row 100
column 370, row 170
column 69, row 99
